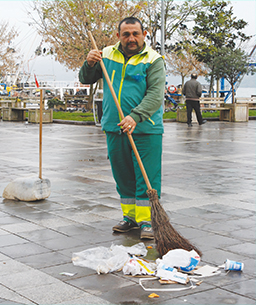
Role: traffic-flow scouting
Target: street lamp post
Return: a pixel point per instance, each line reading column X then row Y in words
column 162, row 27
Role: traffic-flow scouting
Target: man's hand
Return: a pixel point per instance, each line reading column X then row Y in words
column 93, row 57
column 128, row 124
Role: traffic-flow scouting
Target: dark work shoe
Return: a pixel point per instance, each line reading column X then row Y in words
column 203, row 122
column 190, row 125
column 146, row 233
column 125, row 226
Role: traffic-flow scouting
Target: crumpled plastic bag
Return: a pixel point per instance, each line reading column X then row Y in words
column 137, row 249
column 137, row 266
column 180, row 258
column 105, row 260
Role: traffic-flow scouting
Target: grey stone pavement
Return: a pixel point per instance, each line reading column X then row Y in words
column 208, row 191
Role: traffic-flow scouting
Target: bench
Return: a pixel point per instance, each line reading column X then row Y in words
column 216, row 104
column 251, row 101
column 7, row 103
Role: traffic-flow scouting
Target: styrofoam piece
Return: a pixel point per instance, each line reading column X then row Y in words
column 205, row 271
column 164, row 289
column 30, row 188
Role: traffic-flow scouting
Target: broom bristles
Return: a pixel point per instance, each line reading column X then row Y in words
column 166, row 237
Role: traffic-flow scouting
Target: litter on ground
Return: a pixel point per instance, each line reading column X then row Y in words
column 177, row 270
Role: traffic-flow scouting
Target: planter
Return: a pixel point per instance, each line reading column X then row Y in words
column 34, row 116
column 182, row 116
column 239, row 112
column 14, row 114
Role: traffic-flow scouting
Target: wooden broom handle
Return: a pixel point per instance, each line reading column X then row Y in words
column 145, row 176
column 40, row 134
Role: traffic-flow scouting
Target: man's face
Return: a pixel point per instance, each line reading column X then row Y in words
column 131, row 38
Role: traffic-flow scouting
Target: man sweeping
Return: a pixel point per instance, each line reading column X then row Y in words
column 137, row 74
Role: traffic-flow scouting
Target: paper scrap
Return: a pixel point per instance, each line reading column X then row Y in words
column 206, row 271
column 67, row 273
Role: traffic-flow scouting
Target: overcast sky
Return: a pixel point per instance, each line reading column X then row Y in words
column 15, row 13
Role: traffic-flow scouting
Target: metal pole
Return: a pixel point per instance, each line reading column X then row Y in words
column 162, row 27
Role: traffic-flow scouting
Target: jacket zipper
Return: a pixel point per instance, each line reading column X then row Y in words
column 121, row 85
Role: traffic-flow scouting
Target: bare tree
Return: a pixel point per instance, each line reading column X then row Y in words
column 64, row 24
column 181, row 61
column 183, row 64
column 176, row 14
column 7, row 53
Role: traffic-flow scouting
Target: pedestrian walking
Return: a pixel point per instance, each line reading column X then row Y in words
column 138, row 76
column 193, row 90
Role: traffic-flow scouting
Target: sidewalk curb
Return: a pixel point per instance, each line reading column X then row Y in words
column 92, row 123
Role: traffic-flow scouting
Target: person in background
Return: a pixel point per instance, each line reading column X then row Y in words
column 137, row 73
column 193, row 90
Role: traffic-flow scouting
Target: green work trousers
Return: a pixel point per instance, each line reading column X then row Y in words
column 130, row 183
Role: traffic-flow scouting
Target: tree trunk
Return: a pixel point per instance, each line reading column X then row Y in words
column 218, row 87
column 233, row 94
column 100, row 87
column 89, row 104
column 182, row 81
column 211, row 86
column 182, row 85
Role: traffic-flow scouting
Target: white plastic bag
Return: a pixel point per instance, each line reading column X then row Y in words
column 180, row 258
column 137, row 249
column 105, row 260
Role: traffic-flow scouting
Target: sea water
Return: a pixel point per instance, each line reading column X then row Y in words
column 245, row 92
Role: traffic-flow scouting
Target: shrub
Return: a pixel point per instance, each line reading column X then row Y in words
column 54, row 102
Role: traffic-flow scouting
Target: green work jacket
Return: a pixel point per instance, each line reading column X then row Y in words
column 138, row 82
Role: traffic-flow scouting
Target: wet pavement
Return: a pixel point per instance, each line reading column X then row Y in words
column 208, row 191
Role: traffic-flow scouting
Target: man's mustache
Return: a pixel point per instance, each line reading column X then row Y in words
column 132, row 43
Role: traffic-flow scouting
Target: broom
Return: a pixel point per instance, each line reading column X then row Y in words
column 166, row 237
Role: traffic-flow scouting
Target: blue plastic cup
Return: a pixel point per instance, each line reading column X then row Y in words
column 232, row 265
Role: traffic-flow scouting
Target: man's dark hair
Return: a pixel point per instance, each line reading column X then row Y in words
column 130, row 20
column 194, row 75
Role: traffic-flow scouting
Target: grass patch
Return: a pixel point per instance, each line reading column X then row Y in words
column 73, row 116
column 88, row 116
column 208, row 114
column 170, row 115
column 252, row 112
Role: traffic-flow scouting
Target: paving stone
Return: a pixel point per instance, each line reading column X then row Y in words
column 44, row 259
column 213, row 241
column 21, row 227
column 11, row 297
column 26, row 279
column 218, row 296
column 208, row 191
column 246, row 288
column 21, row 250
column 47, row 293
column 246, row 249
column 41, row 235
column 68, row 271
column 9, row 239
column 9, row 266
